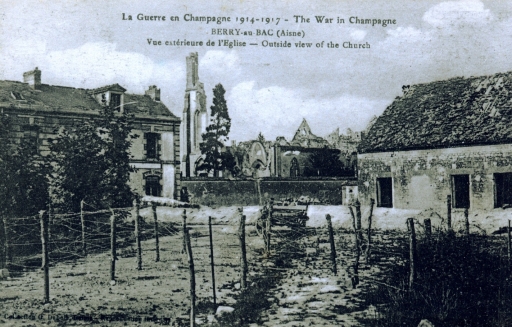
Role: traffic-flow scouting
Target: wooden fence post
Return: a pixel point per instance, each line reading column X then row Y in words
column 268, row 227
column 211, row 261
column 466, row 220
column 192, row 279
column 509, row 249
column 243, row 253
column 449, row 213
column 357, row 204
column 369, row 232
column 258, row 185
column 82, row 222
column 45, row 259
column 428, row 229
column 136, row 219
column 7, row 248
column 184, row 229
column 263, row 222
column 412, row 253
column 3, row 261
column 50, row 221
column 113, row 255
column 357, row 250
column 157, row 242
column 331, row 241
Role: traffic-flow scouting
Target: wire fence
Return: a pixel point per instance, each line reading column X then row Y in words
column 190, row 252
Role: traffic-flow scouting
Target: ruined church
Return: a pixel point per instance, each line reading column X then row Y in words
column 294, row 158
column 194, row 119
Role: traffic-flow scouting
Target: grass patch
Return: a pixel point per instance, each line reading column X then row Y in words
column 460, row 282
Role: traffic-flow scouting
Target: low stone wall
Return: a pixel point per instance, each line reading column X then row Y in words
column 245, row 192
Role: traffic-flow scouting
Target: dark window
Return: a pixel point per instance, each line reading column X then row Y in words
column 385, row 192
column 460, row 190
column 153, row 185
column 31, row 137
column 184, row 194
column 294, row 168
column 152, row 147
column 115, row 100
column 17, row 95
column 502, row 189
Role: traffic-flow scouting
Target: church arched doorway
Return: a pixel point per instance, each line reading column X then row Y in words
column 294, row 168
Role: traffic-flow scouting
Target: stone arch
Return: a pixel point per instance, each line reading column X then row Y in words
column 257, row 154
column 294, row 168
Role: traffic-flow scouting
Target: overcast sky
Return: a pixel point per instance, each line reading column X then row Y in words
column 87, row 44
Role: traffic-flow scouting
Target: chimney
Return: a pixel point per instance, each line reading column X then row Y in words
column 33, row 78
column 153, row 92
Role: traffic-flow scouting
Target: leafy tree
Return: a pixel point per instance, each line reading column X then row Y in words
column 229, row 163
column 117, row 140
column 28, row 179
column 324, row 162
column 216, row 133
column 24, row 183
column 5, row 146
column 79, row 167
column 91, row 163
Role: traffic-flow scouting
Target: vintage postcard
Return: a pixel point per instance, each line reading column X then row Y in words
column 255, row 163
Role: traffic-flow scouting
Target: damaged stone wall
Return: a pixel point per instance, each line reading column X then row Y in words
column 245, row 192
column 423, row 178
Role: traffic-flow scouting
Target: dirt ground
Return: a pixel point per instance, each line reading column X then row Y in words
column 295, row 286
column 160, row 289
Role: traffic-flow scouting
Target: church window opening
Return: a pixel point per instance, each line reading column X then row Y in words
column 294, row 168
column 385, row 192
column 198, row 129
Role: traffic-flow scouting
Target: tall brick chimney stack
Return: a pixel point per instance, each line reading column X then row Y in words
column 153, row 92
column 33, row 78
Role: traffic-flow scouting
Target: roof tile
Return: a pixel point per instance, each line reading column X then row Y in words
column 454, row 112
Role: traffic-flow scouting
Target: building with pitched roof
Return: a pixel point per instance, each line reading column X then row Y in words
column 451, row 137
column 39, row 110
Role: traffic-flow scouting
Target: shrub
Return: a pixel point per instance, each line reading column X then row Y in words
column 460, row 282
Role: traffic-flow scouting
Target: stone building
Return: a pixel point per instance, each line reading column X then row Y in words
column 451, row 137
column 194, row 119
column 40, row 110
